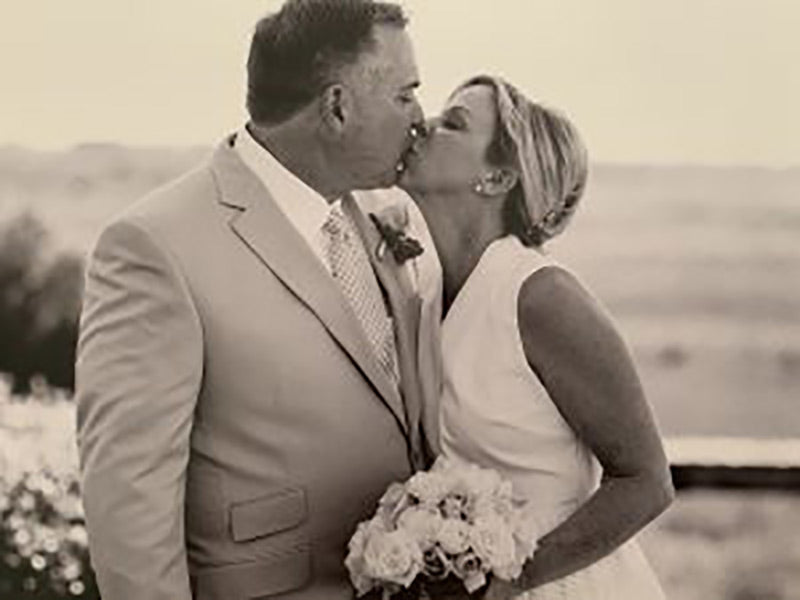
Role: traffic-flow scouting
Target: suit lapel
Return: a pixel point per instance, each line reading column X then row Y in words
column 405, row 306
column 268, row 233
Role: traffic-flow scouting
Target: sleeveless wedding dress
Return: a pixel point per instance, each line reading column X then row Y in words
column 496, row 412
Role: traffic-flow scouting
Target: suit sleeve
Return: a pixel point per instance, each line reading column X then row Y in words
column 138, row 372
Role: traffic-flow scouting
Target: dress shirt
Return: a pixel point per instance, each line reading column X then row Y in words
column 305, row 208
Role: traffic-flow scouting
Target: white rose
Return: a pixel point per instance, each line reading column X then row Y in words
column 392, row 557
column 436, row 564
column 454, row 536
column 428, row 487
column 421, row 524
column 526, row 532
column 493, row 540
column 469, row 569
column 355, row 561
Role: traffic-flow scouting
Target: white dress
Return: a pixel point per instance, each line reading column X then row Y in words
column 495, row 412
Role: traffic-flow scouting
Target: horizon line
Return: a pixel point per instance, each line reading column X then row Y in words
column 600, row 162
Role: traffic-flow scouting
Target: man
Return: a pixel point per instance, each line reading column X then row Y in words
column 249, row 373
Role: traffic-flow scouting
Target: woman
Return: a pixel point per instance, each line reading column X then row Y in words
column 538, row 383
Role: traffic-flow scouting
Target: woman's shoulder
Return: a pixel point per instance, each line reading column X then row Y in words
column 553, row 299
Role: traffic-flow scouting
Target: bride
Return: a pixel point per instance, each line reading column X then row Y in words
column 538, row 383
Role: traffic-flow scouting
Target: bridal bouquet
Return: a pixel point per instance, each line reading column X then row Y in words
column 455, row 520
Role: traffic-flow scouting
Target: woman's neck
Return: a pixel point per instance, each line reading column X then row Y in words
column 460, row 241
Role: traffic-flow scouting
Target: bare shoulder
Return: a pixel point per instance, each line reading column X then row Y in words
column 554, row 301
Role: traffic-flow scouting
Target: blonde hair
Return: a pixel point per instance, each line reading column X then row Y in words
column 550, row 156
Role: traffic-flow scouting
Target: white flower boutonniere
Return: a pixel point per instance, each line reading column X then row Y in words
column 392, row 223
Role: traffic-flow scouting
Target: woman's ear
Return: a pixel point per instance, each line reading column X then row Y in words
column 335, row 106
column 499, row 182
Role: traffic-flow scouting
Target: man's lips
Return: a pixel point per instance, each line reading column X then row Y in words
column 417, row 135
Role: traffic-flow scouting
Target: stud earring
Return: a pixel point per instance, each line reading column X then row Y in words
column 478, row 188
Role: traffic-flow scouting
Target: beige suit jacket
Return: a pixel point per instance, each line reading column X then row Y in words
column 233, row 422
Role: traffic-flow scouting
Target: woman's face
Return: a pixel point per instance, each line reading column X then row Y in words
column 452, row 158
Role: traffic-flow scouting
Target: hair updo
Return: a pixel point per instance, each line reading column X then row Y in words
column 558, row 158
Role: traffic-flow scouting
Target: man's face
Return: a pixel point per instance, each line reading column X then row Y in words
column 384, row 107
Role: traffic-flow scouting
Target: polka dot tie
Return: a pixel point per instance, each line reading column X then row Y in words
column 350, row 266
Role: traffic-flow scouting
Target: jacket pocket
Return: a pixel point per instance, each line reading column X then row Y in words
column 268, row 515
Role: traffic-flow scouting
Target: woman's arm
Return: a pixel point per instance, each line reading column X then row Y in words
column 583, row 362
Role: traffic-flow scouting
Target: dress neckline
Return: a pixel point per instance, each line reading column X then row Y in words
column 489, row 250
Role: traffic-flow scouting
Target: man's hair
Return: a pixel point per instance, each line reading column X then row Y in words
column 296, row 52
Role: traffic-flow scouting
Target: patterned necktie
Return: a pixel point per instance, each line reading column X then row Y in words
column 351, row 268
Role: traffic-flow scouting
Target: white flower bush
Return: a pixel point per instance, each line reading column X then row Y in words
column 43, row 540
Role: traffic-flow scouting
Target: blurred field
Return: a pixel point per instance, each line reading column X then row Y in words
column 700, row 266
column 715, row 545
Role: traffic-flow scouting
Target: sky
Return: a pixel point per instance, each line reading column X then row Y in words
column 685, row 81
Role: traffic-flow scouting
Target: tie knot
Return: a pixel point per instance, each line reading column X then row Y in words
column 336, row 225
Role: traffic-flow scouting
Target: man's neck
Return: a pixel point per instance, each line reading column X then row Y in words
column 299, row 152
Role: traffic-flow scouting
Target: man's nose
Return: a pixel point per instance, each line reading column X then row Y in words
column 417, row 114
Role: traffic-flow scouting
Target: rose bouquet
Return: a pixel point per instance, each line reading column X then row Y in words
column 456, row 520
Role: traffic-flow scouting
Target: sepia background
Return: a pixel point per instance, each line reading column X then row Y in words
column 688, row 233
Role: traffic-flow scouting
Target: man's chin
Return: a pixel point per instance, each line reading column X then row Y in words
column 386, row 180
column 407, row 178
column 405, row 181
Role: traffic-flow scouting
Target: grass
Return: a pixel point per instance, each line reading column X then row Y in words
column 727, row 545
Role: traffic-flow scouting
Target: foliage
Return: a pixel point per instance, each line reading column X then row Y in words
column 39, row 305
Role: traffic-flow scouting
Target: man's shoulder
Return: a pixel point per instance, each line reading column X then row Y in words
column 166, row 214
column 187, row 192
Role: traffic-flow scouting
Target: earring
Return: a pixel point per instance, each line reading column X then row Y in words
column 478, row 188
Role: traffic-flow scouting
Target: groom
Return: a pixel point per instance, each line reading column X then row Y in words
column 250, row 374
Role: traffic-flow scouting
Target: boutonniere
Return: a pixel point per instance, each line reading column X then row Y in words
column 392, row 224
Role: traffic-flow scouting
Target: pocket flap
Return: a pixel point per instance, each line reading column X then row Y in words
column 268, row 514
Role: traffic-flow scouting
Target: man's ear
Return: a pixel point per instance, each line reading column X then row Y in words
column 335, row 106
column 499, row 182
